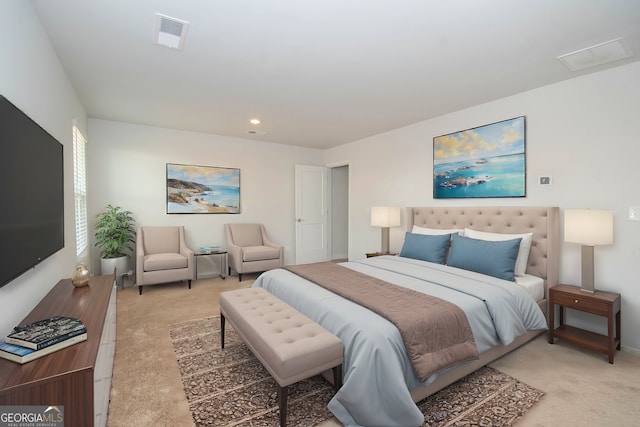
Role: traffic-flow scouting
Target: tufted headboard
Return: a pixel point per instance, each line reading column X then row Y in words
column 542, row 221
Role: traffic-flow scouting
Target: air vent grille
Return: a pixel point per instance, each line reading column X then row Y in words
column 170, row 26
column 603, row 53
column 170, row 32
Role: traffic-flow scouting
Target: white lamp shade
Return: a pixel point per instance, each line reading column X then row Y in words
column 382, row 216
column 588, row 227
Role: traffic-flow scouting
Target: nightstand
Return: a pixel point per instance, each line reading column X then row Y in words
column 372, row 254
column 601, row 303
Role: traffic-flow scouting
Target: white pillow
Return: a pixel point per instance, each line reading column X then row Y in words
column 523, row 253
column 434, row 231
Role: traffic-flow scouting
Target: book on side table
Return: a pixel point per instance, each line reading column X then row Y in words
column 210, row 250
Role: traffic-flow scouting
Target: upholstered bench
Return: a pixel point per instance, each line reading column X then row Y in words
column 288, row 344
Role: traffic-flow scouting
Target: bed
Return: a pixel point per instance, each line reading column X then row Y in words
column 380, row 385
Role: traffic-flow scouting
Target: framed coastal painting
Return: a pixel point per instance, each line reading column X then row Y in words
column 485, row 161
column 193, row 189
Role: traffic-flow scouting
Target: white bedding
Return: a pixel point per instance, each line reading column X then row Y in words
column 378, row 375
column 533, row 285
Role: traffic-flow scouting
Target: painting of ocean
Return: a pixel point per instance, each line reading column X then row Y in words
column 202, row 189
column 487, row 161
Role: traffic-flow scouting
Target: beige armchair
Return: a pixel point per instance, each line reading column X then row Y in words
column 162, row 256
column 250, row 250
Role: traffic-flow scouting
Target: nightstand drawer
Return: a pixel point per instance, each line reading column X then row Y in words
column 582, row 303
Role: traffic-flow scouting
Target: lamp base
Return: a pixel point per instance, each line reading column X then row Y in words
column 587, row 270
column 384, row 247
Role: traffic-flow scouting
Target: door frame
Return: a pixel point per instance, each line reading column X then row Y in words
column 330, row 190
column 330, row 220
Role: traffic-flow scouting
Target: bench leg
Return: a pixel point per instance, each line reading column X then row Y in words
column 221, row 330
column 283, row 393
column 337, row 377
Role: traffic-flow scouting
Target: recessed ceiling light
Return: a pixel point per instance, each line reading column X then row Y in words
column 602, row 53
column 254, row 121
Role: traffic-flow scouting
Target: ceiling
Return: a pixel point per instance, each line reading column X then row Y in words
column 325, row 72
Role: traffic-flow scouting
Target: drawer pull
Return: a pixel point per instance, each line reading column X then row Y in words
column 576, row 301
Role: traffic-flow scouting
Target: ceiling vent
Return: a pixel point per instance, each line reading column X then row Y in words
column 603, row 53
column 256, row 132
column 170, row 32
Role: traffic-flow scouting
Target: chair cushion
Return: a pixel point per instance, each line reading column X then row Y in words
column 259, row 253
column 165, row 261
column 158, row 240
column 246, row 234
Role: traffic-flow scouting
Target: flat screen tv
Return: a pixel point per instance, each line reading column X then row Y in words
column 32, row 194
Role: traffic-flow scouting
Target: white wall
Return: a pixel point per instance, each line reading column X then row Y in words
column 32, row 78
column 127, row 167
column 583, row 132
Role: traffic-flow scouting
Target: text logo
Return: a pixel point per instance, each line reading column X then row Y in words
column 31, row 416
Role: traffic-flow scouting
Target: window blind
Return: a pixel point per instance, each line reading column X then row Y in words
column 80, row 192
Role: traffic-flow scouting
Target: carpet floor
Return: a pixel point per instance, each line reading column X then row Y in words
column 231, row 388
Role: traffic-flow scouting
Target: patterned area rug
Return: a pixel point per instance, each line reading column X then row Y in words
column 231, row 388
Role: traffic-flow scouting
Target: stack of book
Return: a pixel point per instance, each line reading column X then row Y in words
column 209, row 249
column 29, row 342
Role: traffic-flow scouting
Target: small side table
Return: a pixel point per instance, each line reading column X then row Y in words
column 223, row 261
column 600, row 303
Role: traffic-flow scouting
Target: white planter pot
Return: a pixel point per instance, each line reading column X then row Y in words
column 120, row 265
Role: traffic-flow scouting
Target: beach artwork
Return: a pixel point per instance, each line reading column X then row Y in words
column 202, row 189
column 486, row 161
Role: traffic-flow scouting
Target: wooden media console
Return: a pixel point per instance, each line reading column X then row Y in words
column 77, row 377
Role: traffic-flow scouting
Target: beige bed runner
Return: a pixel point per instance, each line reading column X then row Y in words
column 436, row 333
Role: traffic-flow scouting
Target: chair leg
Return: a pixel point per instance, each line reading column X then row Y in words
column 239, row 275
column 282, row 398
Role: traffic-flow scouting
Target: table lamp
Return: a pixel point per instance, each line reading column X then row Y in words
column 589, row 227
column 385, row 217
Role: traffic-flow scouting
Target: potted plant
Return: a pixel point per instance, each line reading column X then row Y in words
column 115, row 236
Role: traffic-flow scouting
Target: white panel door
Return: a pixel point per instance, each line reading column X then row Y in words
column 312, row 214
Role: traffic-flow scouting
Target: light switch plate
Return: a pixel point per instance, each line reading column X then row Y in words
column 544, row 180
column 634, row 213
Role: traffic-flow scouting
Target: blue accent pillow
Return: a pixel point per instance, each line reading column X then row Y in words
column 426, row 247
column 493, row 258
